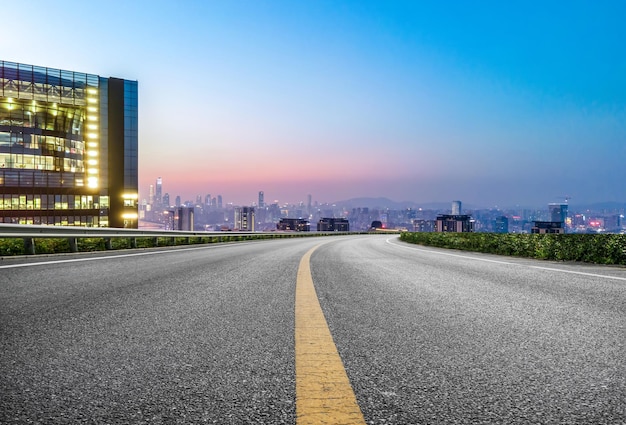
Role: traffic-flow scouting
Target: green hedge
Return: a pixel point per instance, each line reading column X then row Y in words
column 15, row 246
column 588, row 248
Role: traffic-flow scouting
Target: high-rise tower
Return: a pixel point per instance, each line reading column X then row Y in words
column 68, row 148
column 158, row 195
column 558, row 212
column 456, row 207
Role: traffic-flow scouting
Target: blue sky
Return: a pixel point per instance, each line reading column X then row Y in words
column 493, row 103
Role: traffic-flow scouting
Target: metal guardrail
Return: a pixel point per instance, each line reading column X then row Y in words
column 38, row 231
column 29, row 233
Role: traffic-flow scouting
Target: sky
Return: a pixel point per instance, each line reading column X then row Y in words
column 493, row 103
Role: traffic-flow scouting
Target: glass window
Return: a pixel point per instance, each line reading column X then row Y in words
column 54, row 179
column 17, row 116
column 5, row 138
column 11, row 178
column 5, row 114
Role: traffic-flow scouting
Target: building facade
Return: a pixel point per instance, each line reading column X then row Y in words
column 68, row 148
column 454, row 223
column 183, row 219
column 328, row 224
column 244, row 219
column 501, row 225
column 558, row 212
column 543, row 227
column 296, row 224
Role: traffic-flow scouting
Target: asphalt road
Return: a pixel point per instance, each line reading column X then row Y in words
column 206, row 335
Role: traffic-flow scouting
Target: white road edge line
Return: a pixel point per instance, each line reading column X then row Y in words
column 507, row 263
column 135, row 254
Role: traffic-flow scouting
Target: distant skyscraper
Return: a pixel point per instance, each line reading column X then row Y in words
column 166, row 200
column 501, row 225
column 151, row 196
column 183, row 219
column 207, row 200
column 456, row 207
column 558, row 212
column 261, row 200
column 219, row 201
column 158, row 195
column 178, row 203
column 244, row 218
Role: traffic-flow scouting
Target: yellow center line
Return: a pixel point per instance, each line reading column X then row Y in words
column 323, row 391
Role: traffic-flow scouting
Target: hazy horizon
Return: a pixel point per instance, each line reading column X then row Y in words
column 487, row 102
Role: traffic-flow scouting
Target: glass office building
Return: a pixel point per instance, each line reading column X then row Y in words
column 68, row 148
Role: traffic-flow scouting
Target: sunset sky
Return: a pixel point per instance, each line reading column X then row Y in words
column 494, row 103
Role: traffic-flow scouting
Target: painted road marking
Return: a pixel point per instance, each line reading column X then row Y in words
column 323, row 391
column 508, row 263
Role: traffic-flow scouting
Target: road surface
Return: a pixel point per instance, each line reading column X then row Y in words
column 207, row 334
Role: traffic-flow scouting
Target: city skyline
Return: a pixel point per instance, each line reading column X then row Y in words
column 212, row 212
column 200, row 199
column 494, row 104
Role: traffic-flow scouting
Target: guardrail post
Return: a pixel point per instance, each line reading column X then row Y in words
column 73, row 244
column 107, row 244
column 29, row 246
column 133, row 243
column 155, row 242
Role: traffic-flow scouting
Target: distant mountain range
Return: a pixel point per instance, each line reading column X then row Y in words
column 600, row 206
column 386, row 203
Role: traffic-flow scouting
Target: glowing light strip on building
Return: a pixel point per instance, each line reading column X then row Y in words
column 130, row 200
column 92, row 139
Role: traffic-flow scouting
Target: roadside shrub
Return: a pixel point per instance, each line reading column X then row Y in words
column 52, row 245
column 590, row 248
column 11, row 246
column 90, row 244
column 120, row 243
column 15, row 246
